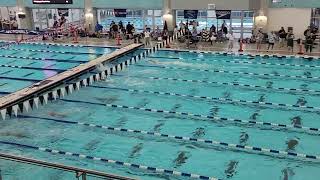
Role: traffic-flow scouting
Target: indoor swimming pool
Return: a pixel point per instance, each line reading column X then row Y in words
column 24, row 64
column 201, row 115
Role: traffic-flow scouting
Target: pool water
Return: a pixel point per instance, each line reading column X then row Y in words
column 178, row 93
column 24, row 64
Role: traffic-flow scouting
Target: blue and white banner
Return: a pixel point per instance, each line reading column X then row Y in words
column 190, row 14
column 223, row 14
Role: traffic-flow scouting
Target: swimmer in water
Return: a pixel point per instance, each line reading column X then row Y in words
column 121, row 121
column 231, row 169
column 226, row 95
column 296, row 121
column 181, row 159
column 269, row 84
column 135, row 150
column 214, row 111
column 308, row 74
column 143, row 103
column 275, row 73
column 57, row 115
column 108, row 100
column 303, row 86
column 254, row 116
column 301, row 102
column 176, row 107
column 291, row 144
column 262, row 98
column 287, row 173
column 243, row 138
column 199, row 132
column 92, row 145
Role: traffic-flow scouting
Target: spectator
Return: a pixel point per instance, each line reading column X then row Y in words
column 231, row 38
column 213, row 29
column 282, row 35
column 271, row 40
column 290, row 42
column 309, row 42
column 259, row 37
column 147, row 37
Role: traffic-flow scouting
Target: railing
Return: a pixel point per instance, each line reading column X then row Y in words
column 78, row 172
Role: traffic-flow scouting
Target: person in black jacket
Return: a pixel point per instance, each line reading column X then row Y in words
column 282, row 36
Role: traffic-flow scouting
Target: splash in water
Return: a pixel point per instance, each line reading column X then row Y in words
column 307, row 73
column 254, row 116
column 296, row 121
column 243, row 138
column 157, row 127
column 269, row 84
column 301, row 101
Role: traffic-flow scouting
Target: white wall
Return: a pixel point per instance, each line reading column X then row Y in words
column 203, row 4
column 299, row 19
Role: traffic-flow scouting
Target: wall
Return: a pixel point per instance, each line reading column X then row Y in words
column 130, row 4
column 4, row 3
column 299, row 19
column 296, row 4
column 203, row 4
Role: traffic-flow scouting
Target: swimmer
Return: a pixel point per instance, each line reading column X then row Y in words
column 291, row 144
column 231, row 168
column 243, row 138
column 226, row 94
column 143, row 103
column 15, row 134
column 296, row 121
column 269, row 84
column 301, row 102
column 287, row 173
column 176, row 107
column 108, row 100
column 214, row 111
column 254, row 116
column 303, row 86
column 199, row 132
column 262, row 98
column 121, row 121
column 135, row 150
column 57, row 115
column 181, row 159
column 308, row 74
column 92, row 145
column 275, row 73
column 157, row 127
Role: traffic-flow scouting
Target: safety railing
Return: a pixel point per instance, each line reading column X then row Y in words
column 79, row 173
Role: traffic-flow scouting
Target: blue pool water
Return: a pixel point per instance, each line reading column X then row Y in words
column 186, row 90
column 24, row 64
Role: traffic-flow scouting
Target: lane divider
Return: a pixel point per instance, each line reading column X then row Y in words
column 67, row 45
column 232, row 72
column 205, row 117
column 33, row 68
column 279, row 56
column 242, row 62
column 186, row 139
column 226, row 84
column 110, row 161
column 49, row 51
column 43, row 59
column 227, row 100
column 20, row 79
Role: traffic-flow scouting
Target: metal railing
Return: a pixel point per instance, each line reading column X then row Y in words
column 79, row 172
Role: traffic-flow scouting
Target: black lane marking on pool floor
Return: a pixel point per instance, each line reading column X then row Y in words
column 34, row 68
column 206, row 117
column 49, row 51
column 224, row 83
column 238, row 62
column 289, row 107
column 265, row 75
column 180, row 138
column 109, row 161
column 20, row 79
column 45, row 59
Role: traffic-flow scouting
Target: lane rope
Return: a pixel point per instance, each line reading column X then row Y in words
column 43, row 59
column 255, row 103
column 211, row 118
column 33, row 68
column 110, row 161
column 225, row 83
column 232, row 72
column 187, row 139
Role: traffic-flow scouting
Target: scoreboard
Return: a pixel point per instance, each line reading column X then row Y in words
column 52, row 1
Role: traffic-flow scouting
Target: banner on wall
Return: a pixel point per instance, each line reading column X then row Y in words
column 120, row 12
column 190, row 14
column 63, row 12
column 223, row 14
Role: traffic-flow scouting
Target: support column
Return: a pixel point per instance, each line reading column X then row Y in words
column 90, row 16
column 169, row 15
column 27, row 21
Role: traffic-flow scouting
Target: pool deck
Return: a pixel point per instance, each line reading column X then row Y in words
column 22, row 95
